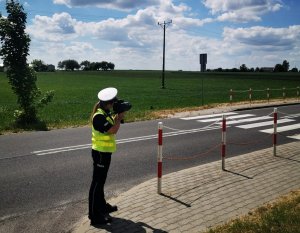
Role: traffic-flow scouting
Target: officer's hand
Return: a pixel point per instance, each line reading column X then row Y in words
column 121, row 116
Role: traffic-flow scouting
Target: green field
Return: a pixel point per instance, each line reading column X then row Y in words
column 76, row 92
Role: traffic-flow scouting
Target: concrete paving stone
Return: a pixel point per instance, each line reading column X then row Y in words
column 185, row 227
column 206, row 207
column 160, row 220
column 196, row 213
column 173, row 215
column 209, row 224
column 170, row 211
column 185, row 221
column 174, row 231
column 215, row 196
column 208, row 216
column 172, row 226
column 151, row 205
column 162, row 225
column 197, row 222
column 149, row 219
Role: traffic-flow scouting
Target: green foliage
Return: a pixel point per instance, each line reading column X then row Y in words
column 76, row 92
column 294, row 70
column 284, row 67
column 278, row 68
column 69, row 65
column 85, row 65
column 244, row 68
column 39, row 65
column 14, row 51
column 94, row 66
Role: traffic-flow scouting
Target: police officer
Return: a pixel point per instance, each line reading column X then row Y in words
column 105, row 126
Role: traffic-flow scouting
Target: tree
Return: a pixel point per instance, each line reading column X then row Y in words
column 95, row 66
column 243, row 68
column 85, row 65
column 111, row 66
column 39, row 65
column 50, row 68
column 104, row 65
column 295, row 69
column 14, row 51
column 285, row 65
column 68, row 65
column 279, row 68
column 60, row 65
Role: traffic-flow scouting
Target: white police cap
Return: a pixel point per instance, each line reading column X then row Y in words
column 107, row 94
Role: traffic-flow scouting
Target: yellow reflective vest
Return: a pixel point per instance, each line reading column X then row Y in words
column 103, row 142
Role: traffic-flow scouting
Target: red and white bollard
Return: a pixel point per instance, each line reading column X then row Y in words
column 223, row 146
column 159, row 157
column 275, row 131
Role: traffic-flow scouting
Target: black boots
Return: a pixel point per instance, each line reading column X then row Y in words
column 104, row 219
column 101, row 220
column 109, row 208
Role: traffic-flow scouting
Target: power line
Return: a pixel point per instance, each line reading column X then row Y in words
column 164, row 25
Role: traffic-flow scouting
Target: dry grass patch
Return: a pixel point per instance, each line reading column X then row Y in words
column 279, row 216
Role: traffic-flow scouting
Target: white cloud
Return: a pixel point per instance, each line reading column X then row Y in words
column 56, row 28
column 52, row 52
column 265, row 38
column 135, row 30
column 264, row 46
column 135, row 41
column 242, row 11
column 111, row 4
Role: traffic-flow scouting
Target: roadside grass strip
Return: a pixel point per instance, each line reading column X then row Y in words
column 282, row 215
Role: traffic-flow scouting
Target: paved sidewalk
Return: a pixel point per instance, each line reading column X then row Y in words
column 201, row 197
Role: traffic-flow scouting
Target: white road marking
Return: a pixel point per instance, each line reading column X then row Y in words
column 125, row 140
column 292, row 116
column 248, row 120
column 282, row 129
column 208, row 116
column 261, row 124
column 231, row 117
column 296, row 136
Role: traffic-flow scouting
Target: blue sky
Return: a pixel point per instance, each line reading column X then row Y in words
column 258, row 33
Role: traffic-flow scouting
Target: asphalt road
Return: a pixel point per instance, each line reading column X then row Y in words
column 48, row 173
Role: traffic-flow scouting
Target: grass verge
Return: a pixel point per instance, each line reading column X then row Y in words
column 279, row 216
column 76, row 93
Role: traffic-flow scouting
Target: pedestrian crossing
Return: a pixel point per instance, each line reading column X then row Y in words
column 231, row 117
column 263, row 124
column 282, row 129
column 296, row 136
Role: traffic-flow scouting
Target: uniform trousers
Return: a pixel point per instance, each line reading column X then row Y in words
column 97, row 202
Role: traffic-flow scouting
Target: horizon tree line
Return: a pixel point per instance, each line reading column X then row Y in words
column 71, row 65
column 284, row 67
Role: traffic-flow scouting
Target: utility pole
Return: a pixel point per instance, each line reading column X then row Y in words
column 164, row 25
column 203, row 61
